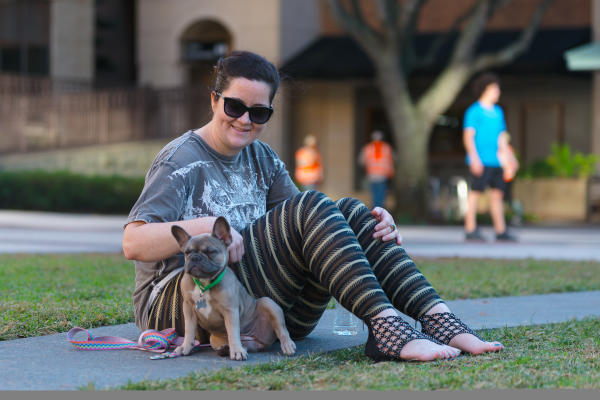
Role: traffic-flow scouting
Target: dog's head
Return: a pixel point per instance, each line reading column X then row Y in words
column 205, row 254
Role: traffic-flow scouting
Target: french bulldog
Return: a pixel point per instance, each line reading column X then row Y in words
column 214, row 299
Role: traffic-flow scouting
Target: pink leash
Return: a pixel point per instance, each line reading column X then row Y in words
column 150, row 340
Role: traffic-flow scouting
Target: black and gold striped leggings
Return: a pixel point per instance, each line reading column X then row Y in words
column 308, row 249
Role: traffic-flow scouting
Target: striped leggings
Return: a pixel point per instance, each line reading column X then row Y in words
column 308, row 249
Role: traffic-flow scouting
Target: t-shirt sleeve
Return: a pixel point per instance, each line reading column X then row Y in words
column 162, row 198
column 470, row 118
column 282, row 187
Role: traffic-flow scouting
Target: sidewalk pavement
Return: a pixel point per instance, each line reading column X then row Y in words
column 43, row 232
column 52, row 363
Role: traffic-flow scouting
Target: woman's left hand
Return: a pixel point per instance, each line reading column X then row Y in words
column 385, row 229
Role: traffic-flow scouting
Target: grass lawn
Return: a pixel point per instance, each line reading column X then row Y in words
column 565, row 355
column 40, row 295
column 47, row 294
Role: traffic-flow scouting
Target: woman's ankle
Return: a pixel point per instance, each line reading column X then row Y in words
column 388, row 312
column 438, row 308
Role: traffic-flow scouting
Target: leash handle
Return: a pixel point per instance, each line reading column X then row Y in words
column 150, row 340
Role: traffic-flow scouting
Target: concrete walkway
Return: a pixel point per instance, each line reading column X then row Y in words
column 42, row 232
column 52, row 363
column 557, row 243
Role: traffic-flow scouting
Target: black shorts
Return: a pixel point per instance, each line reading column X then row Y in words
column 492, row 177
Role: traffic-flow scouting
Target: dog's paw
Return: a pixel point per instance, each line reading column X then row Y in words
column 183, row 350
column 238, row 354
column 288, row 347
column 222, row 351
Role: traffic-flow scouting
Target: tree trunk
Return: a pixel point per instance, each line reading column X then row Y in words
column 411, row 133
column 411, row 130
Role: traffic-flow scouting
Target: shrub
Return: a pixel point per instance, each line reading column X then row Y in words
column 562, row 162
column 68, row 192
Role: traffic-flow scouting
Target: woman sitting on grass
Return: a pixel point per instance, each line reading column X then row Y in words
column 298, row 248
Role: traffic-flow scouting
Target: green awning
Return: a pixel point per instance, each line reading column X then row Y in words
column 584, row 58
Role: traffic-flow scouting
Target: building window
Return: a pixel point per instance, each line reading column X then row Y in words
column 201, row 45
column 24, row 33
column 203, row 51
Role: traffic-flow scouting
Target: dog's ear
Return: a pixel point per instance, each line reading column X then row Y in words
column 222, row 231
column 180, row 235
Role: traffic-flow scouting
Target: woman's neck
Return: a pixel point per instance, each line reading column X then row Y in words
column 210, row 137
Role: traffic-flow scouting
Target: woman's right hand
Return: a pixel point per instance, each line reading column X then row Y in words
column 236, row 248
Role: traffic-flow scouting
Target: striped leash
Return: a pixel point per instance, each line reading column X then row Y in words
column 149, row 340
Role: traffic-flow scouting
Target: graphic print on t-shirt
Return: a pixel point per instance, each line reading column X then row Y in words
column 237, row 194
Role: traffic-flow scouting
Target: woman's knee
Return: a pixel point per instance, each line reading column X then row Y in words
column 310, row 199
column 350, row 206
column 350, row 202
column 310, row 194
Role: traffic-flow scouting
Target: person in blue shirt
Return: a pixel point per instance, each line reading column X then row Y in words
column 484, row 137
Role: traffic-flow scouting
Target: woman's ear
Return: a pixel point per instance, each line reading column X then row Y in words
column 214, row 99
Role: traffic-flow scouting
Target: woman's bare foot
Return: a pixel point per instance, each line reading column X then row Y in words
column 472, row 344
column 389, row 333
column 466, row 342
column 426, row 350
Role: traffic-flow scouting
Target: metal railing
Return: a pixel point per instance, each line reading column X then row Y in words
column 39, row 114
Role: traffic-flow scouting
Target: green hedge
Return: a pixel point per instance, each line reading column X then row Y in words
column 68, row 192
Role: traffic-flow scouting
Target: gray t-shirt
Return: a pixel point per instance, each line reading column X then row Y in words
column 188, row 180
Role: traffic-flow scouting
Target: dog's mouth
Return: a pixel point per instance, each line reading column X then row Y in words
column 201, row 272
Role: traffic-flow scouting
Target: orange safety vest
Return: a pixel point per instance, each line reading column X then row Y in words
column 309, row 169
column 379, row 159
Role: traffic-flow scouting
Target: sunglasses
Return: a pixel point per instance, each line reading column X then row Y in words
column 235, row 108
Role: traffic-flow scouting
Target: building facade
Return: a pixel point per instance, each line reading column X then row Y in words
column 328, row 89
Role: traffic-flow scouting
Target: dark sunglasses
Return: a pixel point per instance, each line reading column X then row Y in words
column 235, row 108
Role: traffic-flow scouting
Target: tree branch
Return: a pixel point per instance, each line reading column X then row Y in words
column 407, row 26
column 443, row 39
column 469, row 15
column 444, row 89
column 478, row 17
column 515, row 49
column 355, row 24
column 409, row 16
column 388, row 14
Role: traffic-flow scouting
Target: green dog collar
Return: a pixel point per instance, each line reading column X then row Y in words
column 210, row 285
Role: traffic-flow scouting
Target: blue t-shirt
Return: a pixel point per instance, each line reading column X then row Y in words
column 488, row 125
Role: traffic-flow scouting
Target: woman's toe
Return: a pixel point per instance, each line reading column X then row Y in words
column 495, row 346
column 471, row 344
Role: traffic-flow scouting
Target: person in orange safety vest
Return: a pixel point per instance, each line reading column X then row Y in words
column 378, row 159
column 309, row 168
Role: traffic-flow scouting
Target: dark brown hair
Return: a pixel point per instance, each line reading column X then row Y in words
column 245, row 64
column 482, row 81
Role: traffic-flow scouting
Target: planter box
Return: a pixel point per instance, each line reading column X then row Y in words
column 554, row 199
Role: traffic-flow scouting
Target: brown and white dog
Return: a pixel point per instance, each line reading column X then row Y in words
column 214, row 299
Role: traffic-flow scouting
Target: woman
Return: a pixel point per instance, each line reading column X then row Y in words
column 297, row 248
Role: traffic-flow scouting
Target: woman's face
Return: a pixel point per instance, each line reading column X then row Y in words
column 233, row 134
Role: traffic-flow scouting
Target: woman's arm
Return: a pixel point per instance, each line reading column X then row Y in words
column 154, row 241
